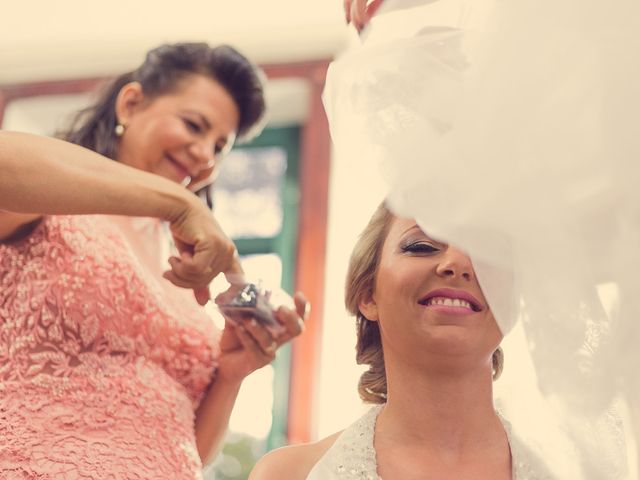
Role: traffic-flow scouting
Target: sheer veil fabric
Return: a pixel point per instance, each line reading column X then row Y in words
column 508, row 128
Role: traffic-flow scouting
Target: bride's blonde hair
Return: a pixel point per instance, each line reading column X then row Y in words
column 360, row 284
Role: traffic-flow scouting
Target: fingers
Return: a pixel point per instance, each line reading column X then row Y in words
column 213, row 257
column 303, row 307
column 197, row 270
column 250, row 344
column 359, row 13
column 186, row 273
column 291, row 321
column 187, row 270
column 202, row 294
column 261, row 337
column 373, row 8
column 235, row 273
column 347, row 10
column 204, row 178
column 204, row 249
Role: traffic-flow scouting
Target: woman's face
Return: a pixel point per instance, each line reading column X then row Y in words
column 428, row 302
column 179, row 135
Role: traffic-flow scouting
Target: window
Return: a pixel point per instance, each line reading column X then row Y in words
column 256, row 202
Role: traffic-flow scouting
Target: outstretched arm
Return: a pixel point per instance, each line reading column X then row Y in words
column 41, row 175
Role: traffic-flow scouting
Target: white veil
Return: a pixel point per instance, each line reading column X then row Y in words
column 509, row 130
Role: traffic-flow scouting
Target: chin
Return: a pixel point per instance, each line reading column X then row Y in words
column 452, row 340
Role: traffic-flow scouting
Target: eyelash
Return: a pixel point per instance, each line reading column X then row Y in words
column 193, row 126
column 420, row 247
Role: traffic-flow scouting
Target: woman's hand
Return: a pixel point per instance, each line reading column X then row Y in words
column 204, row 249
column 204, row 178
column 249, row 345
column 359, row 12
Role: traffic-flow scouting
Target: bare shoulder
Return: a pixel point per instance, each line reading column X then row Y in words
column 293, row 462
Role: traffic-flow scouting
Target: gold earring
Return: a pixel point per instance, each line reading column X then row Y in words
column 119, row 130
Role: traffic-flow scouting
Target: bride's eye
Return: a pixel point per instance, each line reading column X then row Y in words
column 419, row 247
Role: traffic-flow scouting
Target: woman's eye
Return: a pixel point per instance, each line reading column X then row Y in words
column 419, row 247
column 193, row 126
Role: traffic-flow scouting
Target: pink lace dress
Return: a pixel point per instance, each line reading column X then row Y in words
column 102, row 362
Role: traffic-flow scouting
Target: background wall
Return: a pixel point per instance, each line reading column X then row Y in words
column 42, row 39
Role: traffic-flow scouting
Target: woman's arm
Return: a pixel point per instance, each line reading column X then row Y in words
column 41, row 175
column 243, row 348
column 49, row 176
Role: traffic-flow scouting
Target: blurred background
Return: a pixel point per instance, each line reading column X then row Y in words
column 292, row 207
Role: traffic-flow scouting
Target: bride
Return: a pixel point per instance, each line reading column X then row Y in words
column 430, row 340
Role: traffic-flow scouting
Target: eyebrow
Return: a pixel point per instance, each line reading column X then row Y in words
column 417, row 227
column 412, row 228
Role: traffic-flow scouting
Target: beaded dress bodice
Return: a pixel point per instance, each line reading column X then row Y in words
column 353, row 456
column 102, row 362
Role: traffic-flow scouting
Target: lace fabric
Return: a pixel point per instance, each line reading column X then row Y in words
column 353, row 456
column 101, row 364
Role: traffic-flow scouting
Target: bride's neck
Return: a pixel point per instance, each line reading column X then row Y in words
column 451, row 412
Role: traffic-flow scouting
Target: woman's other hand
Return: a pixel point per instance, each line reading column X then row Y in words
column 250, row 345
column 359, row 12
column 204, row 251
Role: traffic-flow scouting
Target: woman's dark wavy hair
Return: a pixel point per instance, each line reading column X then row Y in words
column 161, row 73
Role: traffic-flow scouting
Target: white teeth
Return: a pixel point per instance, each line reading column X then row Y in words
column 449, row 302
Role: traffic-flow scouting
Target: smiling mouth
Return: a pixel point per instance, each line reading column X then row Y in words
column 178, row 166
column 451, row 301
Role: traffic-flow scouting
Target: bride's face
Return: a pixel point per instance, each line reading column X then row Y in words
column 429, row 304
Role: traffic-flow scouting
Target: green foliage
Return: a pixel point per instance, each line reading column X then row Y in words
column 237, row 458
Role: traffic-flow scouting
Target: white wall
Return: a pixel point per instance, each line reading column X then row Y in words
column 43, row 39
column 356, row 189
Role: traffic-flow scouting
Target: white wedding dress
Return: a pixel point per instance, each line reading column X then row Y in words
column 509, row 128
column 353, row 457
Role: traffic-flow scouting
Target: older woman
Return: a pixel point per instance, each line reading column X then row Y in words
column 107, row 370
column 432, row 346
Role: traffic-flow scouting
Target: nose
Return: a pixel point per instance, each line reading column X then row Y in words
column 455, row 263
column 202, row 153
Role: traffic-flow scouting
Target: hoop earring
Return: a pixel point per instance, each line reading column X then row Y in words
column 497, row 360
column 119, row 130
